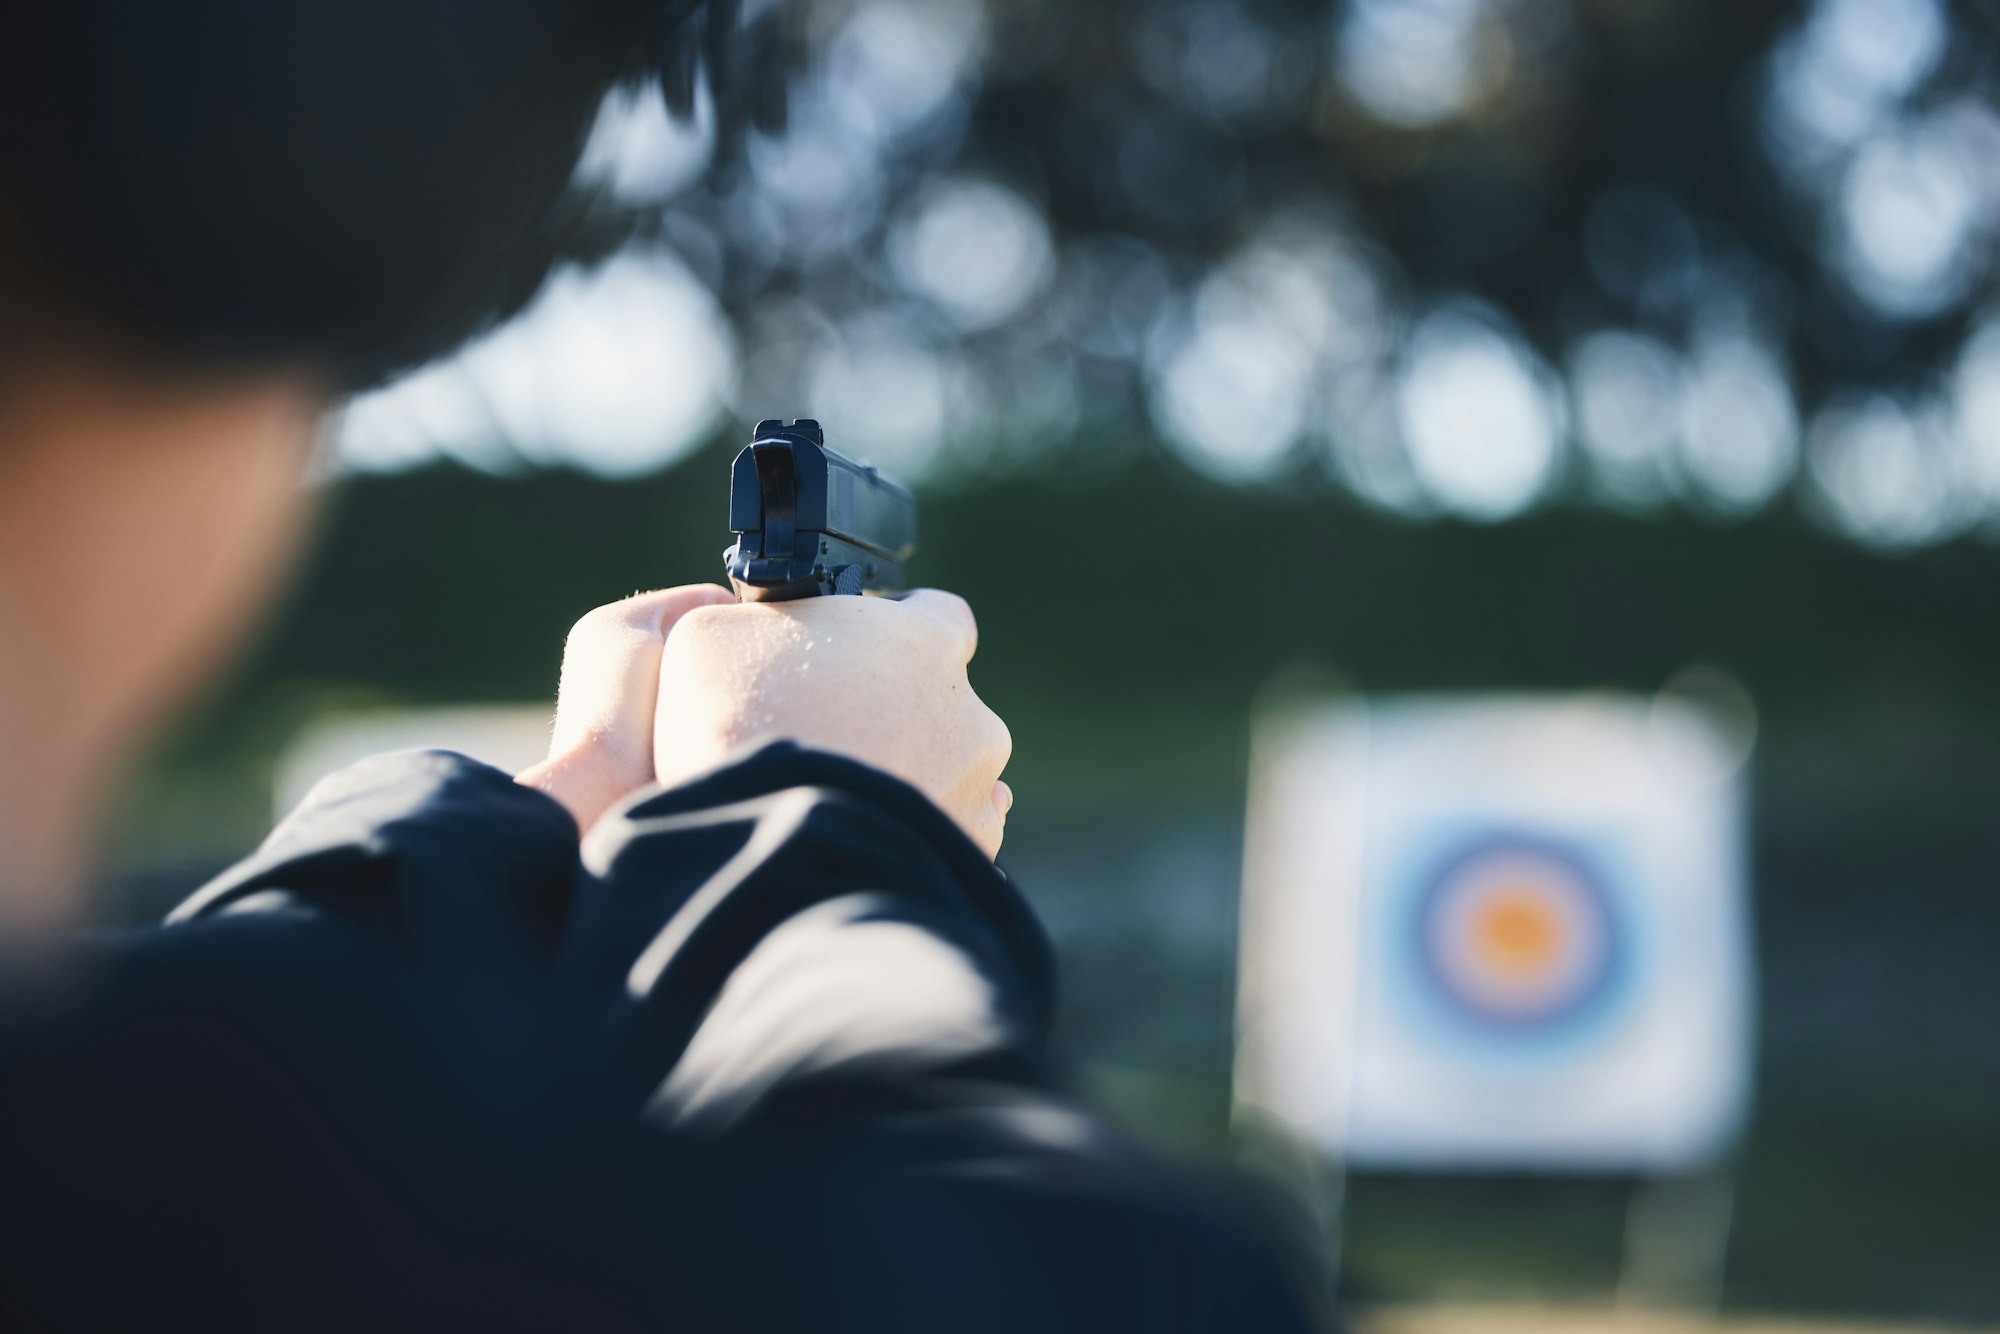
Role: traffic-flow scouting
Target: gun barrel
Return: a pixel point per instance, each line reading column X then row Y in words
column 810, row 521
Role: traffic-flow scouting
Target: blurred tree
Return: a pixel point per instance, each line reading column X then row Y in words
column 1454, row 256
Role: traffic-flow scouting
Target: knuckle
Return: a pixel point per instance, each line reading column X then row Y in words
column 958, row 609
column 703, row 620
column 592, row 623
column 949, row 639
column 999, row 738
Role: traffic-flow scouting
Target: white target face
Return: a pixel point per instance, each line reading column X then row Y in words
column 1499, row 932
column 1517, row 935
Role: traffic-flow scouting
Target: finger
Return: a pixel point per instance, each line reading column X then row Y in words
column 616, row 625
column 953, row 611
column 1003, row 798
column 659, row 610
column 611, row 665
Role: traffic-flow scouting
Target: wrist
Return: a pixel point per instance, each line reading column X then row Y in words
column 584, row 783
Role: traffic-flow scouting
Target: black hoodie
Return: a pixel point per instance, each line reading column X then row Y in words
column 766, row 1055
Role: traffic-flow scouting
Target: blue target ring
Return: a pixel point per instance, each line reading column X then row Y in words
column 1517, row 935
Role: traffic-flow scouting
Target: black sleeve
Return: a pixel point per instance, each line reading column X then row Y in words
column 769, row 1055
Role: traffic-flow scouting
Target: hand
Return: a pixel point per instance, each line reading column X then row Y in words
column 602, row 748
column 879, row 680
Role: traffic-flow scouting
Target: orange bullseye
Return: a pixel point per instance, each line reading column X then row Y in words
column 1517, row 934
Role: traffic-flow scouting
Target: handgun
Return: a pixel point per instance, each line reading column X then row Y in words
column 813, row 523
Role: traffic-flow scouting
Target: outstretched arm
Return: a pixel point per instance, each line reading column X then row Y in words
column 765, row 1052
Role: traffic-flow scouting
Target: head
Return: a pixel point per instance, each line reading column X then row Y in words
column 216, row 219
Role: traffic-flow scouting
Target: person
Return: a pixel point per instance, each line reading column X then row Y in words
column 720, row 1018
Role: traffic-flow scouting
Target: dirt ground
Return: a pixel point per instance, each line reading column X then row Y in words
column 1608, row 1320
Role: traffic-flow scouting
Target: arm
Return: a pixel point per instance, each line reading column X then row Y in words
column 765, row 1053
column 816, row 964
column 845, row 998
column 778, row 1044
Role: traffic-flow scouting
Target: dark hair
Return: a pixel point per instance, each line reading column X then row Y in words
column 356, row 186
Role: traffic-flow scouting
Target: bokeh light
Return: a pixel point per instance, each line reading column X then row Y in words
column 1233, row 395
column 977, row 250
column 1219, row 243
column 1237, row 379
column 618, row 371
column 1627, row 392
column 1479, row 413
column 896, row 67
column 1739, row 427
column 1908, row 215
column 1975, row 408
column 1412, row 63
column 1884, row 471
column 1847, row 65
column 641, row 154
column 891, row 386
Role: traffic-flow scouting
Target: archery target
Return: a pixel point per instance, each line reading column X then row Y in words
column 1498, row 932
column 1517, row 934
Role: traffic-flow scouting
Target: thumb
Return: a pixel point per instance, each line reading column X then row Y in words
column 602, row 746
column 611, row 668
